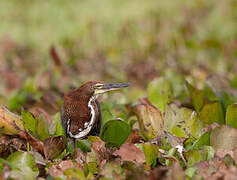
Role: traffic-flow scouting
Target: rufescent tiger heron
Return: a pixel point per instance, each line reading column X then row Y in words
column 80, row 113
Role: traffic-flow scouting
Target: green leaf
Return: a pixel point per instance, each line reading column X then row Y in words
column 182, row 122
column 190, row 172
column 74, row 173
column 196, row 96
column 209, row 94
column 106, row 113
column 203, row 140
column 223, row 137
column 3, row 161
column 42, row 127
column 84, row 145
column 29, row 121
column 26, row 164
column 59, row 129
column 222, row 88
column 16, row 99
column 212, row 112
column 160, row 93
column 195, row 156
column 151, row 153
column 231, row 115
column 115, row 132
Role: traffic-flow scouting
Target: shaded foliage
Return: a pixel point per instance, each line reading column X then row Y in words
column 176, row 121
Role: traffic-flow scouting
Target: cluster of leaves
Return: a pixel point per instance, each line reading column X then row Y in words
column 164, row 48
column 171, row 134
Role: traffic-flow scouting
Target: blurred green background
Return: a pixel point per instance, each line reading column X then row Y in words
column 113, row 41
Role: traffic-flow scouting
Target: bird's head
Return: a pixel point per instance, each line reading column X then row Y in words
column 96, row 88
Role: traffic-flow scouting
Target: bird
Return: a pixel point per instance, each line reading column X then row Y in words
column 80, row 112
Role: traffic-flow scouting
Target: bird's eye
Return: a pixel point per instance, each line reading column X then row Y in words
column 98, row 86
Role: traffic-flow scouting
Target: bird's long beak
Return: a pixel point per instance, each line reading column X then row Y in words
column 102, row 88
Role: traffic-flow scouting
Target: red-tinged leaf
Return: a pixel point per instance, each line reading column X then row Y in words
column 129, row 152
column 54, row 146
column 98, row 147
column 150, row 119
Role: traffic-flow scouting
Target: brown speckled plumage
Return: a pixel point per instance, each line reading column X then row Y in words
column 75, row 108
column 80, row 113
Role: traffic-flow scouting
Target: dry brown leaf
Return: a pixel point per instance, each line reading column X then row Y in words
column 158, row 173
column 11, row 79
column 213, row 169
column 80, row 157
column 129, row 152
column 37, row 111
column 98, row 147
column 134, row 137
column 224, row 173
column 50, row 100
column 37, row 145
column 222, row 153
column 54, row 146
column 175, row 173
column 57, row 60
column 9, row 144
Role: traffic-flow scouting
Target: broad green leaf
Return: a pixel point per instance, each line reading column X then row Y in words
column 93, row 167
column 182, row 122
column 195, row 156
column 3, row 161
column 83, row 144
column 234, row 82
column 231, row 115
column 202, row 141
column 209, row 94
column 151, row 153
column 16, row 99
column 59, row 129
column 212, row 112
column 10, row 123
column 226, row 100
column 223, row 137
column 29, row 121
column 160, row 93
column 190, row 172
column 196, row 96
column 115, row 132
column 26, row 164
column 42, row 127
column 177, row 82
column 106, row 113
column 222, row 88
column 74, row 173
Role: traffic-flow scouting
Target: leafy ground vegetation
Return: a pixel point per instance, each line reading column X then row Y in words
column 177, row 120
